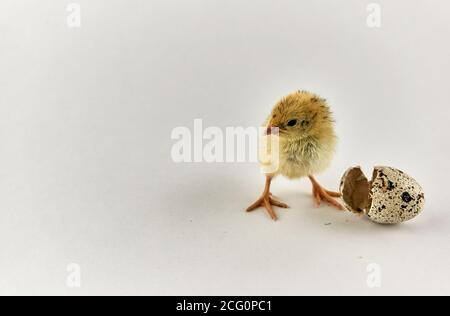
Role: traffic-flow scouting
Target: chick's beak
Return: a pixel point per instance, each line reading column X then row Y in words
column 270, row 127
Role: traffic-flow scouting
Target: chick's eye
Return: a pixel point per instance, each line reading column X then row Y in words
column 292, row 123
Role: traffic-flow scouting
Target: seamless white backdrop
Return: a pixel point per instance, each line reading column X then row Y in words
column 86, row 175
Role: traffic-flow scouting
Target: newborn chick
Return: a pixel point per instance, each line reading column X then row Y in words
column 306, row 145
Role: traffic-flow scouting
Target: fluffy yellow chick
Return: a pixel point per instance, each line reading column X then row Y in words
column 306, row 146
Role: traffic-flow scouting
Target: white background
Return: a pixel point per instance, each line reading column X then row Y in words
column 86, row 116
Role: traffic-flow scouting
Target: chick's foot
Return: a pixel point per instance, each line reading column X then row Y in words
column 320, row 194
column 266, row 201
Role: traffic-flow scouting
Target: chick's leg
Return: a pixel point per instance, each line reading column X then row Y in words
column 320, row 194
column 266, row 200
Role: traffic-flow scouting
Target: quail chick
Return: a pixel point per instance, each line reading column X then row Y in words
column 307, row 143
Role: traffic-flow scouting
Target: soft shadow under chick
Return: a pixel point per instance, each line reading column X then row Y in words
column 306, row 145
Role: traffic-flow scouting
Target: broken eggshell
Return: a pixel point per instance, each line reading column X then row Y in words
column 391, row 197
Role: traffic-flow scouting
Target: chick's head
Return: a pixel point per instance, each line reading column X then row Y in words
column 299, row 115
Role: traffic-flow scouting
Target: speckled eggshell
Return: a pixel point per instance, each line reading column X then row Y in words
column 396, row 197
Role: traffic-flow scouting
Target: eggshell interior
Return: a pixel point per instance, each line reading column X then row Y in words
column 355, row 190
